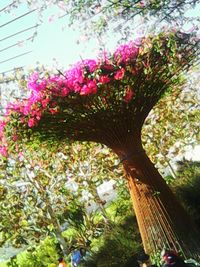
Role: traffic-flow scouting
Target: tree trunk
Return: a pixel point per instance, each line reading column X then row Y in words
column 162, row 220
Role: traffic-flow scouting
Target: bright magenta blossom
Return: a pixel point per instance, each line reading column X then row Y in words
column 126, row 52
column 2, row 126
column 108, row 81
column 119, row 74
column 129, row 95
column 32, row 122
column 4, row 151
column 85, row 77
column 104, row 79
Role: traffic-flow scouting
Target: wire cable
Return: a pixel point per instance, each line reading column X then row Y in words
column 14, row 34
column 4, row 8
column 25, row 14
column 15, row 57
column 10, row 46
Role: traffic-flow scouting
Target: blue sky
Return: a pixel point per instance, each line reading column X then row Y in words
column 55, row 44
column 54, row 40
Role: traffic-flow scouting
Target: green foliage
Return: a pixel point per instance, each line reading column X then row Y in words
column 187, row 187
column 113, row 245
column 173, row 124
column 82, row 229
column 113, row 248
column 144, row 78
column 120, row 241
column 45, row 255
column 36, row 192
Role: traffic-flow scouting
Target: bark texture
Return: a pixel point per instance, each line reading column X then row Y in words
column 162, row 220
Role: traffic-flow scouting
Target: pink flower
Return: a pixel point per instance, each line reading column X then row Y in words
column 76, row 88
column 119, row 74
column 89, row 88
column 38, row 114
column 74, row 78
column 2, row 125
column 91, row 64
column 142, row 3
column 31, row 122
column 21, row 155
column 4, row 151
column 65, row 91
column 25, row 109
column 53, row 110
column 104, row 79
column 32, row 82
column 9, row 108
column 126, row 52
column 129, row 95
column 35, row 97
column 14, row 137
column 45, row 102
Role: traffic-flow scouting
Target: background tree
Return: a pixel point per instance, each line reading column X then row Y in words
column 107, row 102
column 187, row 186
column 120, row 15
column 40, row 192
column 165, row 139
column 32, row 205
column 125, row 16
column 107, row 248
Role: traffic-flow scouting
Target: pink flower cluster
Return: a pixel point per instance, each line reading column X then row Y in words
column 127, row 52
column 3, row 146
column 84, row 78
column 80, row 78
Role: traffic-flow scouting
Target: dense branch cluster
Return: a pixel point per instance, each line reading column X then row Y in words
column 95, row 97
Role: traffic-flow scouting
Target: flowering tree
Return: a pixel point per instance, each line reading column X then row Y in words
column 107, row 101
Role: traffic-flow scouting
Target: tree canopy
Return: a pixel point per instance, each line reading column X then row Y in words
column 106, row 101
column 80, row 103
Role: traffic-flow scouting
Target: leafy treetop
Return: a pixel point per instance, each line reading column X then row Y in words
column 95, row 99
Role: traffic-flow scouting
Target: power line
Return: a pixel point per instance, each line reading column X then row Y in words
column 4, row 8
column 15, row 57
column 25, row 14
column 14, row 34
column 10, row 46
